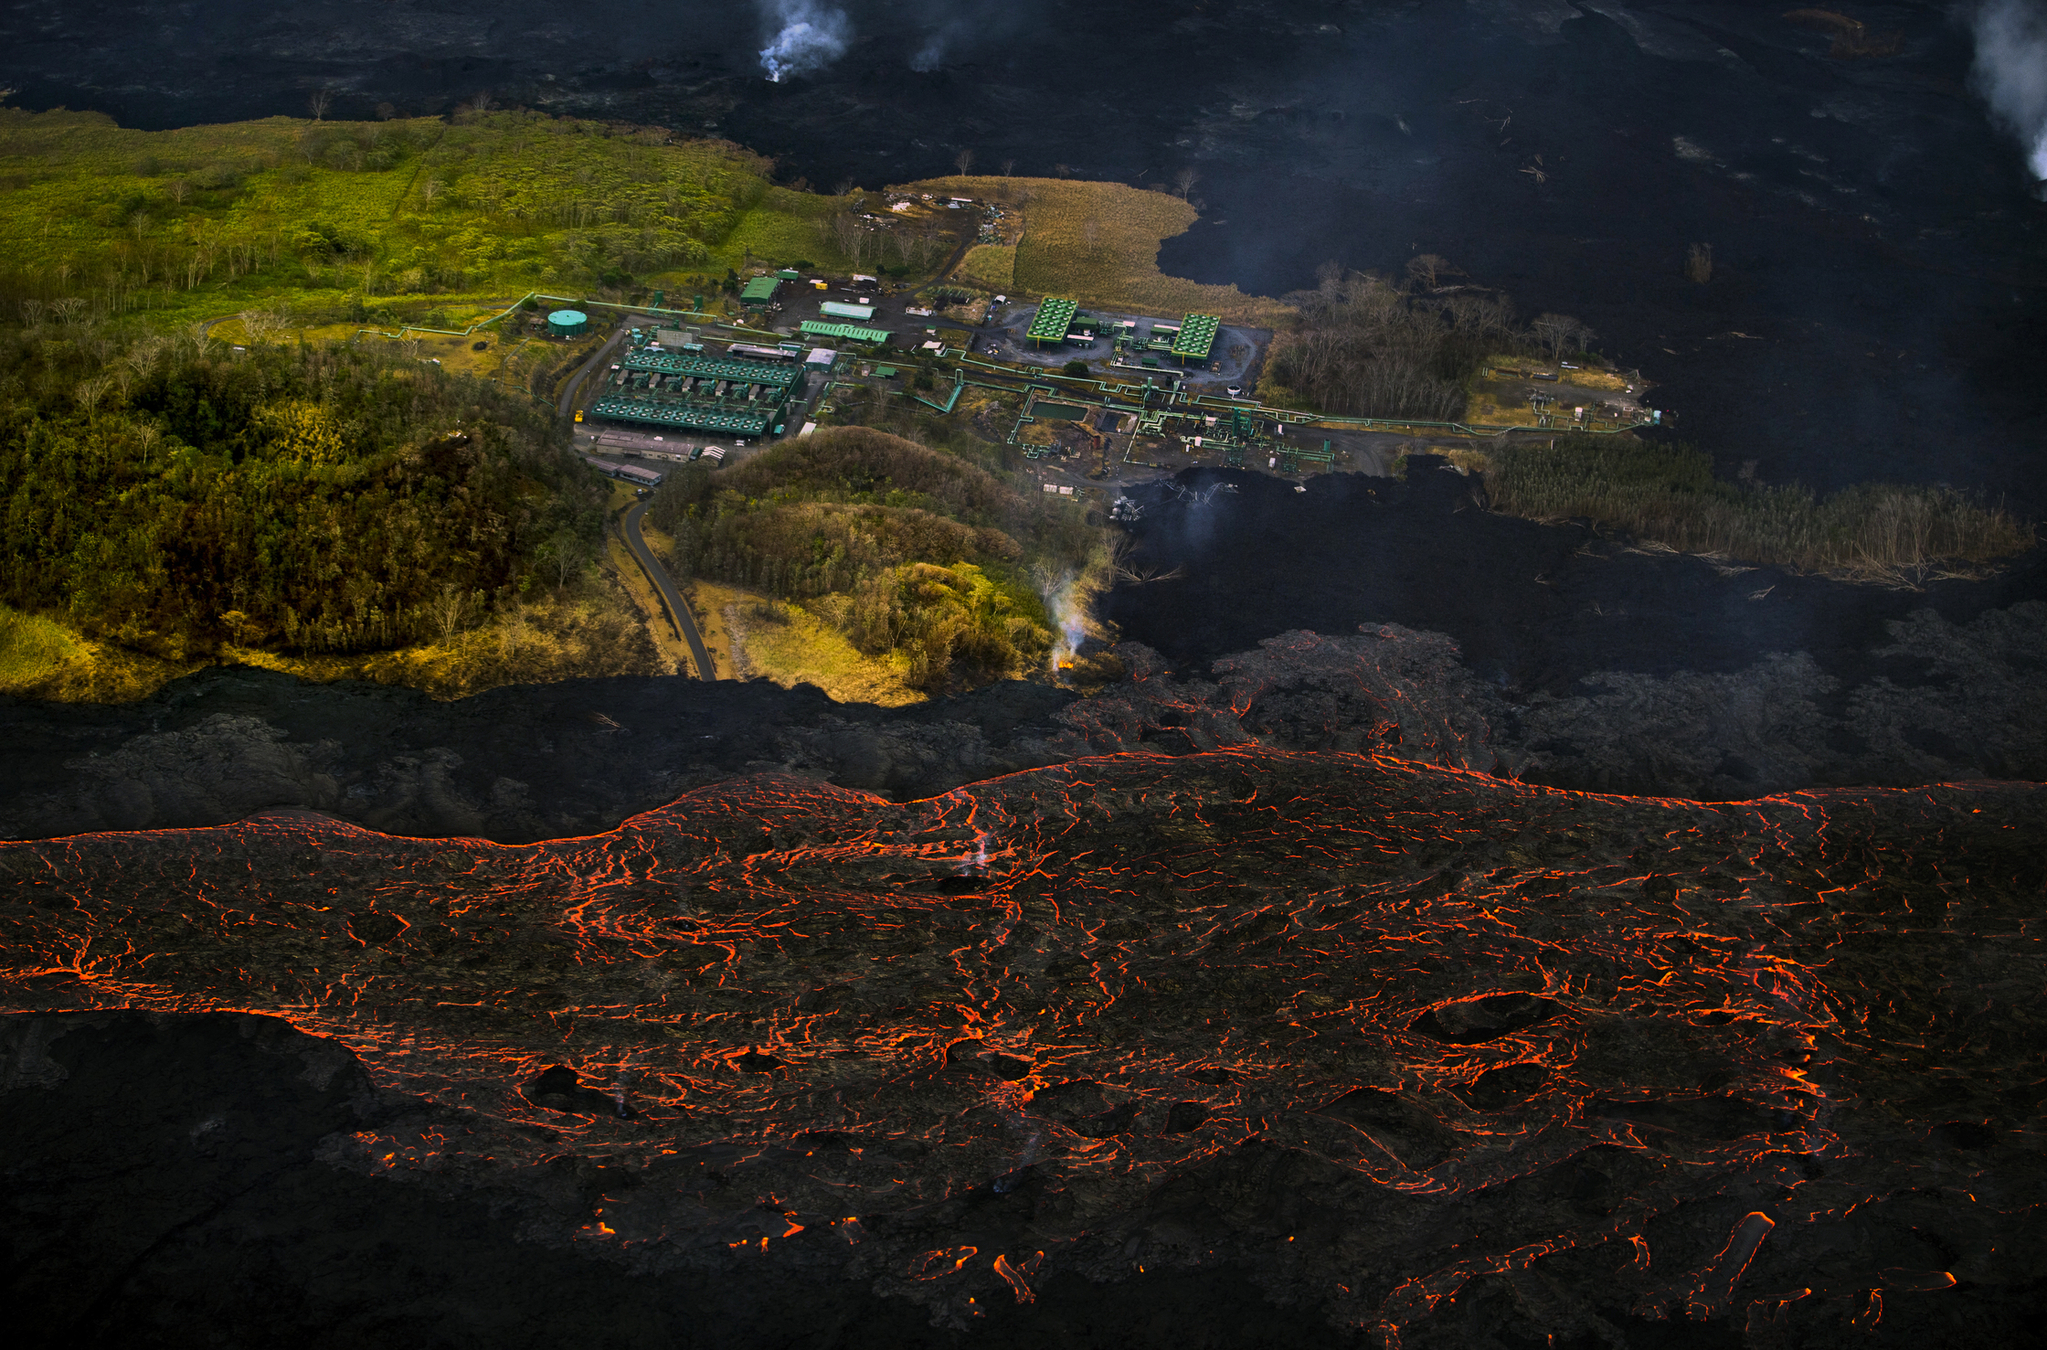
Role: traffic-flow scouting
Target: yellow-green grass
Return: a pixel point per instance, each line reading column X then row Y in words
column 786, row 643
column 990, row 266
column 1099, row 244
column 204, row 221
column 43, row 658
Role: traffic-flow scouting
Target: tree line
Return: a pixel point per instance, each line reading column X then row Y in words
column 1367, row 346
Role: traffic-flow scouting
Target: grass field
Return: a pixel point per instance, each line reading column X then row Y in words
column 371, row 220
column 1099, row 243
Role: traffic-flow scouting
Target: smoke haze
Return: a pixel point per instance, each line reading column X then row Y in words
column 807, row 37
column 2011, row 73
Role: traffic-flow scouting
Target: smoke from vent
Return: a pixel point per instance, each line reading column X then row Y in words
column 808, row 37
column 2011, row 72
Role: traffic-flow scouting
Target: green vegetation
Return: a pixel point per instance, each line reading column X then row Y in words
column 905, row 550
column 1668, row 495
column 176, row 498
column 355, row 218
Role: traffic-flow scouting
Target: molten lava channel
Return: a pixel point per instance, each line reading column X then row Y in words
column 1492, row 1032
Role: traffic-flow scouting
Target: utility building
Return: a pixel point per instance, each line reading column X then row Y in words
column 760, row 291
column 689, row 391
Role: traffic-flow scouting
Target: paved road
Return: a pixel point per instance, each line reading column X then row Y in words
column 685, row 622
column 568, row 399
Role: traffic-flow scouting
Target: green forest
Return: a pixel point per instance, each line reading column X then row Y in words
column 172, row 495
column 900, row 547
column 342, row 216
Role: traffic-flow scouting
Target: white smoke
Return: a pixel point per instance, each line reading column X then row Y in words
column 809, row 36
column 931, row 55
column 2011, row 72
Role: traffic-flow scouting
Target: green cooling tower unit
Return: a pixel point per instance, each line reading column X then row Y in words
column 567, row 323
column 1054, row 317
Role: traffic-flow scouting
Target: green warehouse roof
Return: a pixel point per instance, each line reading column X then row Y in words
column 1197, row 337
column 760, row 290
column 773, row 373
column 1054, row 317
column 850, row 332
column 689, row 417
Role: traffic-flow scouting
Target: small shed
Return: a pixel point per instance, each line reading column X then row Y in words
column 821, row 358
column 567, row 323
column 789, row 274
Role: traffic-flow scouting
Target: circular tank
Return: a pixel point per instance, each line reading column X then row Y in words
column 567, row 322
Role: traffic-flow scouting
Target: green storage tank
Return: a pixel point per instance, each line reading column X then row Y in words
column 567, row 323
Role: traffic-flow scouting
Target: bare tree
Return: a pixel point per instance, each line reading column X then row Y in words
column 846, row 230
column 449, row 610
column 1427, row 269
column 1558, row 333
column 1091, row 231
column 179, row 190
column 386, row 111
column 91, row 392
column 431, row 189
column 318, row 102
column 1184, row 181
column 564, row 548
column 963, row 161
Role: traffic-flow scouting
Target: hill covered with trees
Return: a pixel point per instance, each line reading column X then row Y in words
column 903, row 548
column 172, row 495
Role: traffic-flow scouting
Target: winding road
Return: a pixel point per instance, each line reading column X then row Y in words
column 678, row 612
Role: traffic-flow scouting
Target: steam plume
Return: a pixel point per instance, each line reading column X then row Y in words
column 809, row 36
column 2011, row 73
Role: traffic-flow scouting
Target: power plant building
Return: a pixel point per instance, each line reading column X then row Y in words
column 692, row 391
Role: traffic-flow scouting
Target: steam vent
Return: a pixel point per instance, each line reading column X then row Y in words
column 1364, row 1039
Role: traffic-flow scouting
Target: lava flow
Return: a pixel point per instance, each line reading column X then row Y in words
column 1405, row 1043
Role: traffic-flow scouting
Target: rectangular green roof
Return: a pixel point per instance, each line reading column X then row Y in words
column 1054, row 317
column 1197, row 337
column 850, row 332
column 683, row 416
column 760, row 290
column 773, row 373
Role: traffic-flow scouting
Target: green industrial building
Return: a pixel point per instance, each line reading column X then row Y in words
column 1196, row 338
column 760, row 290
column 1053, row 320
column 845, row 331
column 687, row 391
